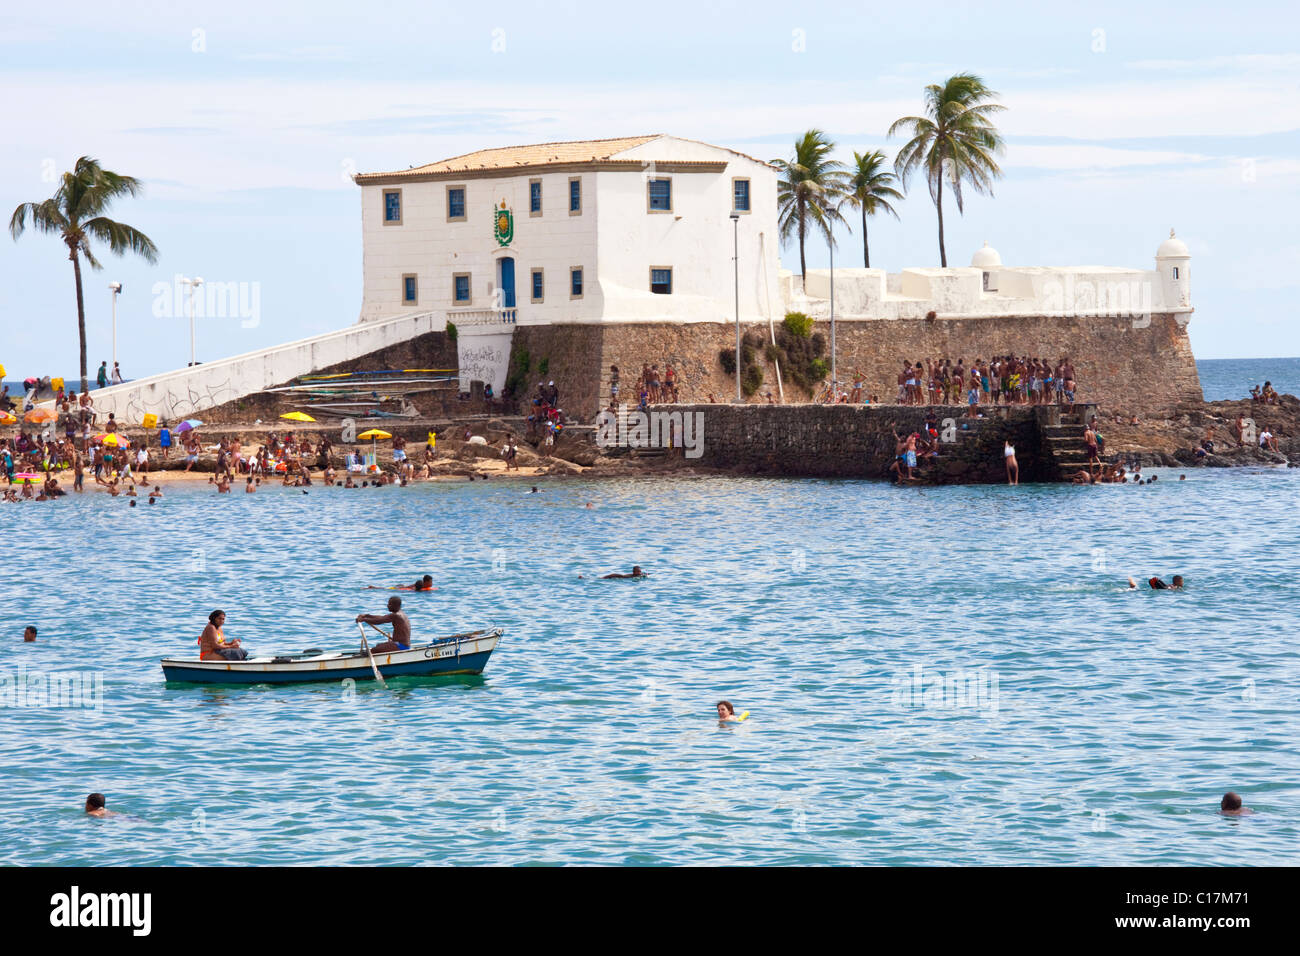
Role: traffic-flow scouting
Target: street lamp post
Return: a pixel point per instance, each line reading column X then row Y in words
column 835, row 379
column 735, row 264
column 115, row 288
column 192, row 284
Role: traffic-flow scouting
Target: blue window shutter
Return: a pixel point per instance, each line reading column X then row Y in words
column 409, row 290
column 575, row 195
column 741, row 202
column 577, row 281
column 537, row 285
column 661, row 194
column 534, row 197
column 455, row 203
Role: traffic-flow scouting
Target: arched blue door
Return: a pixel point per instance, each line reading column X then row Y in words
column 507, row 283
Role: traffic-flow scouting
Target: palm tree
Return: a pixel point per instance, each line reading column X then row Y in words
column 808, row 191
column 955, row 142
column 76, row 214
column 870, row 189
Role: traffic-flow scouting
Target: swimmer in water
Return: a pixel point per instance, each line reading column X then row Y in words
column 636, row 573
column 1230, row 806
column 29, row 634
column 95, row 806
column 727, row 713
column 422, row 584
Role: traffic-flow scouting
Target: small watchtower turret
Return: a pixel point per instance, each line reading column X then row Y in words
column 1174, row 263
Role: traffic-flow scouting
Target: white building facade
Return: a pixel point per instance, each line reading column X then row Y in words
column 638, row 229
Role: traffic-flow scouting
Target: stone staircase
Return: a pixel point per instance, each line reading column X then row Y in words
column 1063, row 444
column 630, row 450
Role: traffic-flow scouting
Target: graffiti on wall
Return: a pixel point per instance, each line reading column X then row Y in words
column 483, row 358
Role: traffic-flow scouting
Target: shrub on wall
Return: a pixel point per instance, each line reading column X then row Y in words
column 798, row 324
column 451, row 331
column 520, row 366
column 800, row 351
column 751, row 373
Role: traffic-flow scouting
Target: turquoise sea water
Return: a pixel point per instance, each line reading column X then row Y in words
column 1223, row 379
column 1091, row 725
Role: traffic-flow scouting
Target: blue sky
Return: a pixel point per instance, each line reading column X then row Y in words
column 244, row 120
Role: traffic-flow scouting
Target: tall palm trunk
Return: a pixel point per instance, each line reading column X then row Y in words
column 803, row 265
column 866, row 253
column 938, row 204
column 81, row 319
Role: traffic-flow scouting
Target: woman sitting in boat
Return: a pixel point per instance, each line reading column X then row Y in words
column 401, row 636
column 213, row 644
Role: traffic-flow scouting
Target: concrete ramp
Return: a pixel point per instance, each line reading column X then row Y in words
column 188, row 391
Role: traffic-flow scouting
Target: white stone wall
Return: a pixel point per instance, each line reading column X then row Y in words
column 960, row 292
column 188, row 391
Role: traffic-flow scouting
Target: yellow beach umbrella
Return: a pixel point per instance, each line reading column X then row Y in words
column 374, row 435
column 298, row 417
column 113, row 438
column 7, row 419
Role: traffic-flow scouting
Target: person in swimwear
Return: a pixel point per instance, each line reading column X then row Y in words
column 636, row 573
column 727, row 713
column 1013, row 468
column 213, row 644
column 1158, row 585
column 1230, row 806
column 95, row 806
column 422, row 584
column 401, row 636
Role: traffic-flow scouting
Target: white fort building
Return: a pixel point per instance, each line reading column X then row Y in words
column 619, row 231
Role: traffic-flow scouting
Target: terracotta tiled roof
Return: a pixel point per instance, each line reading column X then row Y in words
column 513, row 157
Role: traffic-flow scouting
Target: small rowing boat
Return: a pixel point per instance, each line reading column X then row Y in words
column 459, row 654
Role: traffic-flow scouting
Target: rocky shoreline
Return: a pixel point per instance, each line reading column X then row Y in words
column 1172, row 442
column 1167, row 442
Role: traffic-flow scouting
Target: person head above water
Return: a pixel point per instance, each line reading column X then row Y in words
column 394, row 603
column 725, row 708
column 96, row 802
column 1230, row 802
column 1178, row 581
column 636, row 571
column 427, row 580
column 29, row 633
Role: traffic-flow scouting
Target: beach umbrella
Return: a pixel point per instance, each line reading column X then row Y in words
column 113, row 438
column 188, row 425
column 7, row 419
column 40, row 416
column 374, row 435
column 298, row 417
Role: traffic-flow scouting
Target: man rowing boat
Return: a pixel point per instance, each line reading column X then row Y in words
column 401, row 636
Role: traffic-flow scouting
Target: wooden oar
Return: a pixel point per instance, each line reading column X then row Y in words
column 366, row 647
